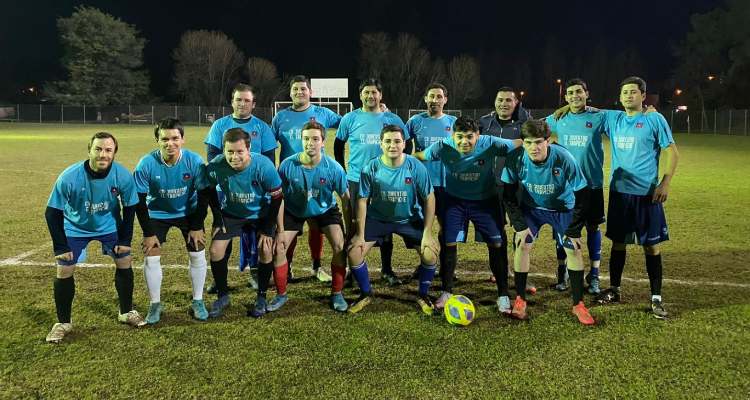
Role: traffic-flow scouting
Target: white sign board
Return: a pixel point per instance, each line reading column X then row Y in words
column 330, row 87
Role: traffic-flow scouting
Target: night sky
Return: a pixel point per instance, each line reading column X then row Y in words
column 320, row 39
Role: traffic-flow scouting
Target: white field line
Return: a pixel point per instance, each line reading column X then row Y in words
column 17, row 259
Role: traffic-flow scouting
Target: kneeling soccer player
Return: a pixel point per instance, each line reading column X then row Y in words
column 552, row 192
column 391, row 188
column 309, row 179
column 167, row 181
column 85, row 206
column 246, row 179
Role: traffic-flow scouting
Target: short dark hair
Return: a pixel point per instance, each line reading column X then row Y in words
column 235, row 135
column 169, row 123
column 507, row 89
column 535, row 128
column 243, row 87
column 371, row 82
column 636, row 80
column 300, row 78
column 315, row 125
column 392, row 128
column 576, row 81
column 103, row 135
column 436, row 85
column 465, row 123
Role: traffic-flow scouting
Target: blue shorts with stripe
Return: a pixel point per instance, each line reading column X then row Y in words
column 635, row 219
column 558, row 220
column 486, row 215
column 78, row 245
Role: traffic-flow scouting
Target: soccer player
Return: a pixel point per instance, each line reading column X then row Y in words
column 580, row 132
column 287, row 127
column 471, row 196
column 92, row 200
column 427, row 128
column 636, row 194
column 553, row 191
column 262, row 140
column 391, row 189
column 247, row 179
column 309, row 180
column 362, row 128
column 167, row 181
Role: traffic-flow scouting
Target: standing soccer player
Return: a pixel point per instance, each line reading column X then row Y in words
column 554, row 192
column 636, row 195
column 309, row 180
column 391, row 189
column 247, row 180
column 580, row 132
column 471, row 196
column 426, row 129
column 362, row 128
column 167, row 181
column 85, row 205
column 287, row 127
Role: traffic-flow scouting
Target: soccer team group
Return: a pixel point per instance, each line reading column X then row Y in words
column 398, row 179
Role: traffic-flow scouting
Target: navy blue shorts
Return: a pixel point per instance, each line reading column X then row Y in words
column 377, row 231
column 558, row 220
column 635, row 219
column 161, row 229
column 486, row 215
column 78, row 246
column 237, row 226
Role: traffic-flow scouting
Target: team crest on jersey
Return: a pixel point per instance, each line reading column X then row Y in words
column 254, row 133
column 255, row 183
column 322, row 181
column 480, row 162
column 447, row 128
column 312, row 119
column 408, row 180
column 556, row 171
column 589, row 124
column 639, row 125
column 114, row 191
column 186, row 176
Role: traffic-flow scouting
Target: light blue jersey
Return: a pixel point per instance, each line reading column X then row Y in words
column 362, row 130
column 550, row 185
column 287, row 126
column 92, row 206
column 261, row 135
column 308, row 192
column 244, row 191
column 636, row 145
column 395, row 193
column 426, row 131
column 581, row 134
column 171, row 190
column 471, row 176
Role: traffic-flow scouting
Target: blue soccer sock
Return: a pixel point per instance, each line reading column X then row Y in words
column 362, row 276
column 248, row 249
column 561, row 263
column 426, row 275
column 594, row 244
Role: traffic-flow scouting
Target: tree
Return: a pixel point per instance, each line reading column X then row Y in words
column 103, row 57
column 205, row 64
column 463, row 80
column 264, row 77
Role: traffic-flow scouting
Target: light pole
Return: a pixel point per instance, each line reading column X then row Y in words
column 559, row 91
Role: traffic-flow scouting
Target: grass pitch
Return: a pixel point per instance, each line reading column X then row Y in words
column 389, row 350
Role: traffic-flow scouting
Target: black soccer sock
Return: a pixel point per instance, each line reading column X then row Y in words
column 561, row 269
column 654, row 269
column 219, row 271
column 316, row 264
column 447, row 270
column 576, row 285
column 386, row 254
column 265, row 270
column 616, row 266
column 520, row 279
column 499, row 268
column 65, row 290
column 124, row 286
column 441, row 240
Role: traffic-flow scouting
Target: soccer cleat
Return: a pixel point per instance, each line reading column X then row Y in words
column 132, row 318
column 154, row 313
column 390, row 279
column 657, row 309
column 440, row 303
column 58, row 332
column 594, row 285
column 211, row 289
column 218, row 306
column 360, row 304
column 198, row 308
column 259, row 309
column 322, row 275
column 608, row 296
column 503, row 305
column 519, row 309
column 290, row 275
column 253, row 280
column 584, row 317
column 559, row 286
column 277, row 302
column 425, row 305
column 338, row 302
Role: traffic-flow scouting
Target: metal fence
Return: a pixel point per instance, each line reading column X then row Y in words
column 725, row 122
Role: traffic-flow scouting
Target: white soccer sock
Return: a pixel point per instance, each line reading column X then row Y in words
column 595, row 263
column 152, row 271
column 197, row 267
column 655, row 297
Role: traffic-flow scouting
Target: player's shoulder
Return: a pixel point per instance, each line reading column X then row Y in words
column 392, row 117
column 223, row 121
column 120, row 171
column 516, row 154
column 558, row 151
column 655, row 118
column 192, row 157
column 450, row 118
column 148, row 159
column 416, row 118
column 72, row 171
column 260, row 123
column 413, row 163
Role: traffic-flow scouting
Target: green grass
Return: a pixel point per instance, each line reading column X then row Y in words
column 390, row 350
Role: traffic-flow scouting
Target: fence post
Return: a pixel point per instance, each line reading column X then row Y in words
column 745, row 131
column 40, row 113
column 152, row 114
column 18, row 113
column 62, row 114
column 84, row 114
column 729, row 131
column 671, row 120
column 199, row 115
column 130, row 116
column 175, row 111
column 714, row 121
